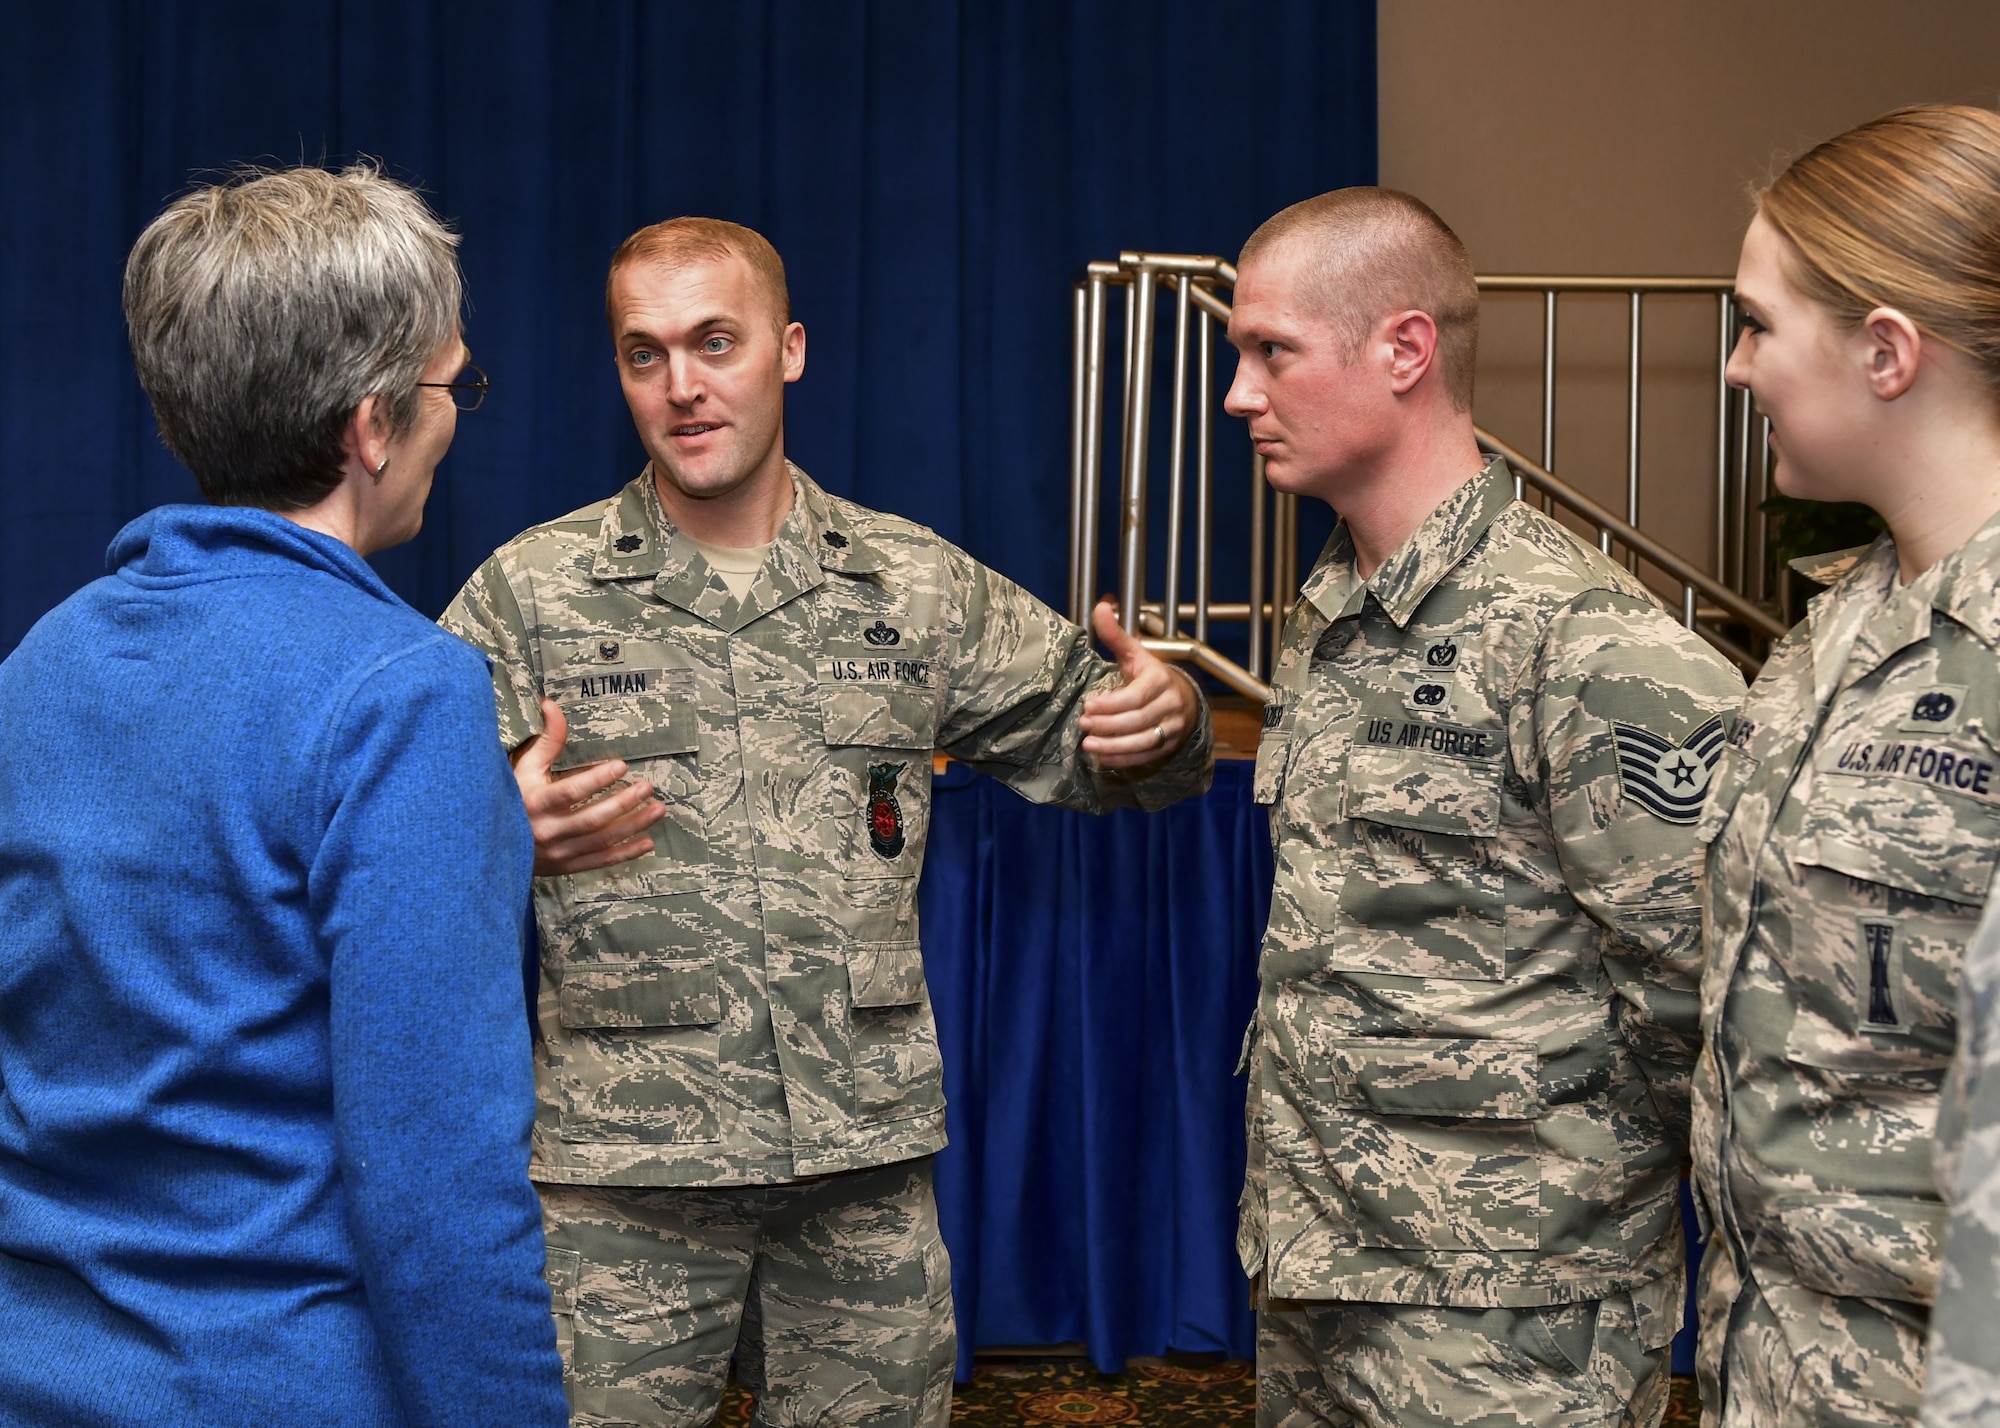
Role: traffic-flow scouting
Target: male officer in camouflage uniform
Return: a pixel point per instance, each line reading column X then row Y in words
column 740, row 1084
column 1484, row 755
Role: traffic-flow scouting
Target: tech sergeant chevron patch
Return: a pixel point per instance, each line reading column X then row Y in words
column 1668, row 780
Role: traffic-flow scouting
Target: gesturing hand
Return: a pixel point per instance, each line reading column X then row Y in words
column 576, row 829
column 1146, row 719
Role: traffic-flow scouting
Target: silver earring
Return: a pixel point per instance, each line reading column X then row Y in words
column 380, row 469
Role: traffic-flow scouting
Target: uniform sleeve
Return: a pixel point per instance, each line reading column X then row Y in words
column 1019, row 676
column 1962, row 1385
column 1624, row 726
column 419, row 889
column 486, row 616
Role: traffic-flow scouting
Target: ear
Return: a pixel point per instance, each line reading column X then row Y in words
column 365, row 439
column 793, row 347
column 1412, row 340
column 1893, row 349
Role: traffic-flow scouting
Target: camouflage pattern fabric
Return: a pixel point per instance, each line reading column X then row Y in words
column 746, row 1004
column 834, row 1296
column 1596, row 1364
column 1479, row 984
column 1853, row 827
column 1963, row 1385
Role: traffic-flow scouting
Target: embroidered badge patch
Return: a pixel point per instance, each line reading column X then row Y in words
column 607, row 650
column 1884, row 953
column 885, row 815
column 628, row 543
column 882, row 635
column 1441, row 653
column 1668, row 780
column 1938, row 710
column 834, row 539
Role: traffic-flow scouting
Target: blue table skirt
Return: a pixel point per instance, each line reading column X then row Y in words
column 1092, row 979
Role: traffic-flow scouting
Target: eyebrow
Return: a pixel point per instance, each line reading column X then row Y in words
column 706, row 324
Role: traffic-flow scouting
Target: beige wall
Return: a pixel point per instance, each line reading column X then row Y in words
column 1616, row 136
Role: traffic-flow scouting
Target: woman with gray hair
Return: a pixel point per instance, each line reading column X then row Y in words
column 264, row 1067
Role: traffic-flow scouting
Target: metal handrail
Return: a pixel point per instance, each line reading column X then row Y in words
column 1190, row 280
column 1692, row 581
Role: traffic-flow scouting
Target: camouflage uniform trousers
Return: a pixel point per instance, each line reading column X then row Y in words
column 833, row 1295
column 1369, row 1365
column 1862, row 1367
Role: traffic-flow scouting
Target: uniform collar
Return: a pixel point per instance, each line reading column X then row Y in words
column 1859, row 623
column 638, row 541
column 1412, row 571
column 1969, row 584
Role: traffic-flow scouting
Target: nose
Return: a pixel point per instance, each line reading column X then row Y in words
column 1244, row 397
column 1736, row 371
column 684, row 387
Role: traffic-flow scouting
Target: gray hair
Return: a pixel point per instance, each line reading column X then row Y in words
column 263, row 309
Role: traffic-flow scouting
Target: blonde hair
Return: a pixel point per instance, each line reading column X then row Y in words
column 1374, row 251
column 1902, row 212
column 679, row 242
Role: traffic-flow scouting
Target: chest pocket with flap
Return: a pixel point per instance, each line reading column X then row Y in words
column 1418, row 798
column 647, row 718
column 1897, row 856
column 879, row 720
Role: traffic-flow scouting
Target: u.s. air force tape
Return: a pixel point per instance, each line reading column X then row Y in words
column 1666, row 779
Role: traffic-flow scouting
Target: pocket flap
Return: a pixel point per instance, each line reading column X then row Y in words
column 1732, row 775
column 636, row 994
column 882, row 717
column 1906, row 838
column 1464, row 1078
column 1862, row 1246
column 1270, row 776
column 626, row 714
column 1452, row 788
column 562, row 1268
column 885, row 974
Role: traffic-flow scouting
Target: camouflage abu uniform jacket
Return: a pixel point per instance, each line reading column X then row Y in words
column 1854, row 824
column 1478, row 1003
column 1962, row 1385
column 746, row 1004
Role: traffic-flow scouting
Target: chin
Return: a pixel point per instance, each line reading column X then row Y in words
column 701, row 485
column 1788, row 480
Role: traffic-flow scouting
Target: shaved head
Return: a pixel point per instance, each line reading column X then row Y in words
column 684, row 242
column 1366, row 253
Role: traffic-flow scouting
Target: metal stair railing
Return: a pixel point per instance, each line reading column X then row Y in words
column 1730, row 607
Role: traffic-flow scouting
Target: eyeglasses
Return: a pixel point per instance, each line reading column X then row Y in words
column 465, row 395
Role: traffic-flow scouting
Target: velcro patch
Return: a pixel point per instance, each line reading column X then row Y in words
column 1964, row 768
column 1668, row 780
column 879, row 671
column 1449, row 740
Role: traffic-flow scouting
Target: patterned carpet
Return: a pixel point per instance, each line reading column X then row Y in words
column 1191, row 1392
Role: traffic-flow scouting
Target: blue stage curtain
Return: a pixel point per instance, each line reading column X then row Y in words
column 933, row 173
column 1092, row 979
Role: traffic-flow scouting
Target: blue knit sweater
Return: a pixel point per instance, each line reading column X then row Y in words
column 264, row 1067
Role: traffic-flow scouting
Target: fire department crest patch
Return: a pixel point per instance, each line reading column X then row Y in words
column 885, row 815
